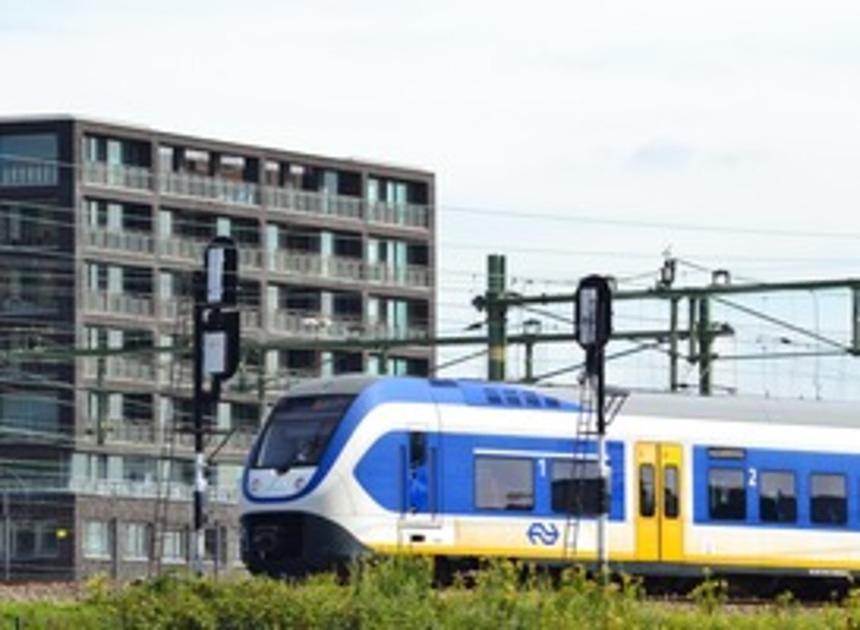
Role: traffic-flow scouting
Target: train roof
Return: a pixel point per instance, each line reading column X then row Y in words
column 732, row 408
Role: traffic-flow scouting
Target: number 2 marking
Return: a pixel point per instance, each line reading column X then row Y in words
column 753, row 477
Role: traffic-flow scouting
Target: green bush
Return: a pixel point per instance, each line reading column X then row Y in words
column 398, row 592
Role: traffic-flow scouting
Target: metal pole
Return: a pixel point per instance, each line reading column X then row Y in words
column 7, row 538
column 198, row 404
column 673, row 344
column 496, row 317
column 530, row 376
column 103, row 400
column 704, row 346
column 603, row 517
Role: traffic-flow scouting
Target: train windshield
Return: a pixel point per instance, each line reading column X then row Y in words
column 298, row 430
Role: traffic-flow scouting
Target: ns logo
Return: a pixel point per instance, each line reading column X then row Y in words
column 542, row 533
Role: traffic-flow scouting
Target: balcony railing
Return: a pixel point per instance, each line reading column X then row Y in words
column 315, row 325
column 117, row 368
column 119, row 430
column 129, row 241
column 185, row 249
column 191, row 185
column 405, row 214
column 313, row 202
column 122, row 304
column 117, row 175
column 30, row 305
column 384, row 330
column 172, row 490
column 314, row 265
column 15, row 174
column 409, row 276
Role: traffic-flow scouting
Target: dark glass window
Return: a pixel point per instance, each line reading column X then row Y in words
column 777, row 497
column 647, row 490
column 298, row 430
column 828, row 499
column 727, row 496
column 576, row 487
column 504, row 483
column 671, row 491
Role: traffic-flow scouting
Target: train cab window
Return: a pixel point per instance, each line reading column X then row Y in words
column 504, row 483
column 647, row 490
column 777, row 497
column 298, row 431
column 670, row 491
column 576, row 487
column 828, row 499
column 727, row 496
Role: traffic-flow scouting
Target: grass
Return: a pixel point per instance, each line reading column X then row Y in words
column 398, row 593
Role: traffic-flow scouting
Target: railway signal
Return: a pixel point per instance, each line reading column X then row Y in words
column 216, row 357
column 593, row 322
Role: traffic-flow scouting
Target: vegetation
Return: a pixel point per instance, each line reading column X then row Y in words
column 398, row 593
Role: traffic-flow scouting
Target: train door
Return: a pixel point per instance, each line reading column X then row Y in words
column 659, row 519
column 420, row 483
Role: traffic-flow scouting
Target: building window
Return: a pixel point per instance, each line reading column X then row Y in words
column 828, row 499
column 138, row 541
column 28, row 159
column 174, row 546
column 576, row 487
column 777, row 497
column 504, row 483
column 98, row 539
column 727, row 496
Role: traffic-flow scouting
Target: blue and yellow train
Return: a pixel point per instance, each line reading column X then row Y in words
column 465, row 469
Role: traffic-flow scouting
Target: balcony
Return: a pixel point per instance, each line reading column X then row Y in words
column 312, row 202
column 117, row 304
column 121, row 241
column 402, row 214
column 411, row 276
column 121, row 368
column 117, row 175
column 384, row 330
column 191, row 185
column 316, row 266
column 30, row 305
column 15, row 174
column 315, row 325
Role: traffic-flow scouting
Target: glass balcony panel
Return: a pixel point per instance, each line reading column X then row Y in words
column 117, row 175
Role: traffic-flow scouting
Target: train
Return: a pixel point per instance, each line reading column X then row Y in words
column 463, row 469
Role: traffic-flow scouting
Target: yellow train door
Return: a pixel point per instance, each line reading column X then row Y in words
column 658, row 516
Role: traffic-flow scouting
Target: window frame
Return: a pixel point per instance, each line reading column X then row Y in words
column 845, row 494
column 574, row 463
column 481, row 457
column 762, row 473
column 743, row 488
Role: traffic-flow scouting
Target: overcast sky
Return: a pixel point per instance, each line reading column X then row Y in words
column 664, row 118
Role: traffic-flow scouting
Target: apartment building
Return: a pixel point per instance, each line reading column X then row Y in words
column 101, row 228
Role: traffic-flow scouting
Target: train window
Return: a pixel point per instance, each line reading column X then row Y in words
column 504, row 483
column 777, row 498
column 576, row 487
column 828, row 499
column 298, row 431
column 670, row 491
column 727, row 496
column 647, row 490
column 417, row 449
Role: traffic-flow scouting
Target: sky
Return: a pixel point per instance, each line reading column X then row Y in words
column 575, row 137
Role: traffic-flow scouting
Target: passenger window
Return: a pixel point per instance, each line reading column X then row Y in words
column 670, row 491
column 828, row 499
column 576, row 487
column 777, row 498
column 647, row 490
column 727, row 497
column 504, row 483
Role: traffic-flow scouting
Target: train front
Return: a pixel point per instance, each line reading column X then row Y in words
column 290, row 492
